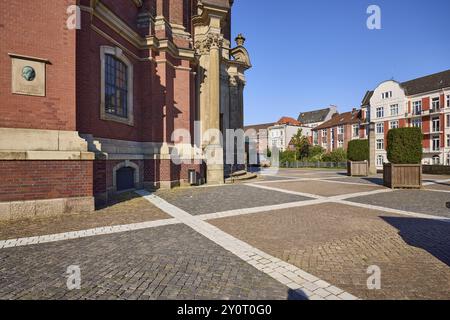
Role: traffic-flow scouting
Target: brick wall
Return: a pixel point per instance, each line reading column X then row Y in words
column 33, row 180
column 38, row 29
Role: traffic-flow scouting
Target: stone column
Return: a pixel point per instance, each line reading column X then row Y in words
column 214, row 149
column 372, row 148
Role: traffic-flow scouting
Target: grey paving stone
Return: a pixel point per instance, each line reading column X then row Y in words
column 199, row 201
column 172, row 262
column 420, row 201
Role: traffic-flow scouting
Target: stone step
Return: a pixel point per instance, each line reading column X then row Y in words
column 247, row 176
column 238, row 174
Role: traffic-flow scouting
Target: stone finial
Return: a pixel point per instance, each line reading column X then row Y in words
column 240, row 40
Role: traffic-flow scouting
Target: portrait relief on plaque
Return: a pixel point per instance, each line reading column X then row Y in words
column 28, row 75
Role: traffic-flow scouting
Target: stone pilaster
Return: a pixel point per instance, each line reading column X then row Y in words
column 372, row 148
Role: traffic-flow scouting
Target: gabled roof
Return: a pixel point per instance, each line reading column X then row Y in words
column 288, row 121
column 428, row 83
column 258, row 127
column 341, row 119
column 366, row 99
column 314, row 116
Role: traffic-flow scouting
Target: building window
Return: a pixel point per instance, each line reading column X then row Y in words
column 315, row 138
column 436, row 144
column 448, row 101
column 436, row 160
column 393, row 124
column 355, row 130
column 380, row 112
column 380, row 128
column 324, row 133
column 435, row 105
column 380, row 144
column 417, row 107
column 386, row 95
column 341, row 130
column 340, row 143
column 436, row 125
column 448, row 120
column 448, row 140
column 417, row 123
column 380, row 160
column 394, row 110
column 116, row 86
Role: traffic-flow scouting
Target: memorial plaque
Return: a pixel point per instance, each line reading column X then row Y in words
column 28, row 75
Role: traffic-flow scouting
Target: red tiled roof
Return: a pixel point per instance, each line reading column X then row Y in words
column 289, row 121
column 351, row 117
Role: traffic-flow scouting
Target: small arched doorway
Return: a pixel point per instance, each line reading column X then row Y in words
column 125, row 178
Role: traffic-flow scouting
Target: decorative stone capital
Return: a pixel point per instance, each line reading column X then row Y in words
column 211, row 41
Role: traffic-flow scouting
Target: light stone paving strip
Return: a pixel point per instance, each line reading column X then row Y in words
column 396, row 211
column 20, row 242
column 303, row 194
column 287, row 274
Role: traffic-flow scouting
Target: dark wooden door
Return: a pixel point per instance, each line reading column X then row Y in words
column 125, row 179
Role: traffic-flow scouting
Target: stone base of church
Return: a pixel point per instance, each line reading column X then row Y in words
column 43, row 188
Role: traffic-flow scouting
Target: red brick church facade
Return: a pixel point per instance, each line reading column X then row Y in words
column 115, row 89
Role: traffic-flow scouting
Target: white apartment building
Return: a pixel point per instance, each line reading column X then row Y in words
column 282, row 132
column 424, row 103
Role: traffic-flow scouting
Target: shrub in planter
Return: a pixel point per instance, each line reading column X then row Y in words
column 358, row 150
column 358, row 156
column 404, row 151
column 404, row 146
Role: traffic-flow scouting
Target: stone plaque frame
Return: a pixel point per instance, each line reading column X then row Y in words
column 34, row 86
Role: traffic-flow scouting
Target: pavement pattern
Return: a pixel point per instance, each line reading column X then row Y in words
column 293, row 234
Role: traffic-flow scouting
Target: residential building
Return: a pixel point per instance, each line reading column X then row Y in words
column 91, row 111
column 258, row 135
column 338, row 131
column 315, row 118
column 281, row 133
column 423, row 103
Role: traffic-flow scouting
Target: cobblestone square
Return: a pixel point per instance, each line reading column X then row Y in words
column 305, row 235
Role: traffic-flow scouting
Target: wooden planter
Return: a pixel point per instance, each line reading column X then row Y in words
column 358, row 168
column 408, row 176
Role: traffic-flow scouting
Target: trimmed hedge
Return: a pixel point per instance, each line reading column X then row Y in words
column 404, row 146
column 358, row 150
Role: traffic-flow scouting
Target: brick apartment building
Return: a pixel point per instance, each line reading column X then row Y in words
column 337, row 132
column 422, row 102
column 90, row 111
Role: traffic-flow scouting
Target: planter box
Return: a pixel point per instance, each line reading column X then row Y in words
column 358, row 168
column 408, row 176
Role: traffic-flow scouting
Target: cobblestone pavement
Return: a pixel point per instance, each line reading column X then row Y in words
column 172, row 262
column 178, row 253
column 321, row 188
column 439, row 187
column 125, row 209
column 214, row 199
column 420, row 201
column 338, row 243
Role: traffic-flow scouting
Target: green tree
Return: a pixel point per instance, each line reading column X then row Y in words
column 301, row 144
column 338, row 155
column 315, row 153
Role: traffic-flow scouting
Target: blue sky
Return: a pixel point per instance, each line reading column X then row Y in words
column 310, row 54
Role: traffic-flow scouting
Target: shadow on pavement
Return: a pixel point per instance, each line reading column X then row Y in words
column 296, row 295
column 432, row 236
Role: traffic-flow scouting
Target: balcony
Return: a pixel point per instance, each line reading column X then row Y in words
column 432, row 150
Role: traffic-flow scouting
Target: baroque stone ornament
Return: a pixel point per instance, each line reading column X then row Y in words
column 28, row 73
column 211, row 41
